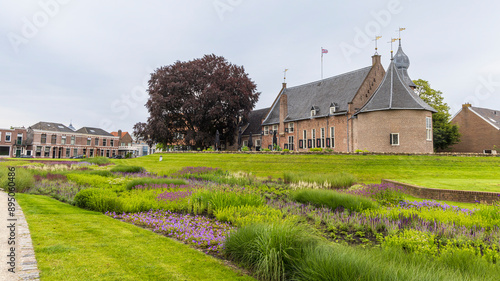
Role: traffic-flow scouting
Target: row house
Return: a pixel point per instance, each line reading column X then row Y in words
column 366, row 109
column 14, row 142
column 55, row 140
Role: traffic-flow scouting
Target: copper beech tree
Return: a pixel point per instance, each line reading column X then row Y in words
column 190, row 101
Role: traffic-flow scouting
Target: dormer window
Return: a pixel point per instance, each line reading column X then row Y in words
column 314, row 110
column 333, row 108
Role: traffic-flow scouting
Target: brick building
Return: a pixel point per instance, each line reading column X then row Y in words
column 368, row 109
column 126, row 143
column 55, row 140
column 479, row 129
column 14, row 142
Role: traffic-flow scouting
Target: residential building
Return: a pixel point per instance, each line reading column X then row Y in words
column 126, row 143
column 479, row 129
column 14, row 142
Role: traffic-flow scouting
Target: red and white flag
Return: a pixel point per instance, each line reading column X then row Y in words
column 324, row 51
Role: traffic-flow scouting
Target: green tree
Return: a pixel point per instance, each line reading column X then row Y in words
column 445, row 134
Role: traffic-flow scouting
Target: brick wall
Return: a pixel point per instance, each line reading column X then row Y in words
column 476, row 134
column 448, row 195
column 372, row 131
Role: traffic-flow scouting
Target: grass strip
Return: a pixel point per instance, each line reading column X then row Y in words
column 75, row 244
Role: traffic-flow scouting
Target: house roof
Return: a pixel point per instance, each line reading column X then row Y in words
column 402, row 63
column 116, row 134
column 339, row 89
column 54, row 127
column 93, row 131
column 255, row 121
column 394, row 93
column 489, row 115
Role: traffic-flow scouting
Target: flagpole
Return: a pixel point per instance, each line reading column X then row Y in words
column 321, row 63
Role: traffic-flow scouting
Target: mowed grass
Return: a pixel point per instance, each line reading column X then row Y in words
column 75, row 244
column 432, row 171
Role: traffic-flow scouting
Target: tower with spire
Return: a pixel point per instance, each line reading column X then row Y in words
column 402, row 63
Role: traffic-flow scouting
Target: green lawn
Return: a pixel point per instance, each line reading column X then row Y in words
column 446, row 172
column 75, row 244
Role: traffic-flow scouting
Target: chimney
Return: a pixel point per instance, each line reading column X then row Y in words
column 375, row 60
column 284, row 86
column 119, row 137
column 465, row 105
column 283, row 112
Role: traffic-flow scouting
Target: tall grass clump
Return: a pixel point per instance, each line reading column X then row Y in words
column 128, row 169
column 270, row 251
column 339, row 262
column 331, row 181
column 333, row 199
column 150, row 181
column 23, row 179
column 97, row 199
column 210, row 200
column 97, row 160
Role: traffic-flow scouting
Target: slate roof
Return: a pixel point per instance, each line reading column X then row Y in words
column 339, row 89
column 394, row 93
column 53, row 127
column 255, row 121
column 93, row 131
column 489, row 115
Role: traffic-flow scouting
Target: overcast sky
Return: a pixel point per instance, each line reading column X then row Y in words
column 89, row 61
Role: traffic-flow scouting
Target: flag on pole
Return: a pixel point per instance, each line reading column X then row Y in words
column 324, row 51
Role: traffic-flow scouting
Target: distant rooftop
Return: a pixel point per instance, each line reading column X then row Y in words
column 49, row 126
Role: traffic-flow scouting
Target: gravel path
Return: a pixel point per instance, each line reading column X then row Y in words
column 25, row 261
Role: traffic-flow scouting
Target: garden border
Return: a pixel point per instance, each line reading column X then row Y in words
column 334, row 153
column 464, row 196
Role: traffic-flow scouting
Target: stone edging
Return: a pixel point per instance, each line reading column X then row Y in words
column 334, row 153
column 27, row 268
column 464, row 196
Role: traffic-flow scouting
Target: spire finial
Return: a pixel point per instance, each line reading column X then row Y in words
column 376, row 39
column 392, row 41
column 401, row 29
column 284, row 75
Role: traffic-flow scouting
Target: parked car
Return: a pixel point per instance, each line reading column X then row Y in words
column 77, row 157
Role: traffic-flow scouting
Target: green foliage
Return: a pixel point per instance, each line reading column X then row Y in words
column 208, row 149
column 245, row 148
column 97, row 160
column 333, row 199
column 316, row 149
column 97, row 199
column 212, row 200
column 361, row 151
column 127, row 169
column 62, row 191
column 96, row 181
column 444, row 133
column 286, row 150
column 245, row 215
column 270, row 251
column 266, row 149
column 302, row 180
column 150, row 181
column 23, row 179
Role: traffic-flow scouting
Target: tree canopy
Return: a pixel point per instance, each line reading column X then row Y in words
column 190, row 101
column 445, row 134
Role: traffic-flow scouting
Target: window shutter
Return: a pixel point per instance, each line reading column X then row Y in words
column 390, row 139
column 309, row 143
column 286, row 146
column 327, row 142
column 301, row 143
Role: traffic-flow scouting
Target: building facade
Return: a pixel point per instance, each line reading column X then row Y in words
column 14, row 142
column 479, row 129
column 366, row 109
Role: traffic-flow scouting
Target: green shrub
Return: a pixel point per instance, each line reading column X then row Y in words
column 270, row 251
column 245, row 148
column 300, row 180
column 266, row 149
column 361, row 151
column 150, row 181
column 316, row 149
column 97, row 199
column 128, row 169
column 97, row 160
column 23, row 179
column 210, row 201
column 333, row 199
column 245, row 215
column 96, row 181
column 286, row 150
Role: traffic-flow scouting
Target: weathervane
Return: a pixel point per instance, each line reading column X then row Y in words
column 401, row 29
column 376, row 39
column 392, row 41
column 284, row 75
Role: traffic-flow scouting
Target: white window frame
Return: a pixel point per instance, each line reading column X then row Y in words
column 257, row 143
column 63, row 139
column 304, row 135
column 313, row 137
column 89, row 141
column 9, row 135
column 290, row 127
column 332, row 110
column 332, row 137
column 245, row 143
column 266, row 130
column 73, row 140
column 275, row 128
column 393, row 143
column 313, row 112
column 428, row 128
column 323, row 137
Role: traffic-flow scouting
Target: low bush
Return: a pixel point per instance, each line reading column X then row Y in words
column 95, row 181
column 245, row 148
column 270, row 251
column 97, row 199
column 128, row 169
column 210, row 200
column 97, row 160
column 246, row 215
column 60, row 190
column 334, row 181
column 333, row 199
column 150, row 181
column 316, row 149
